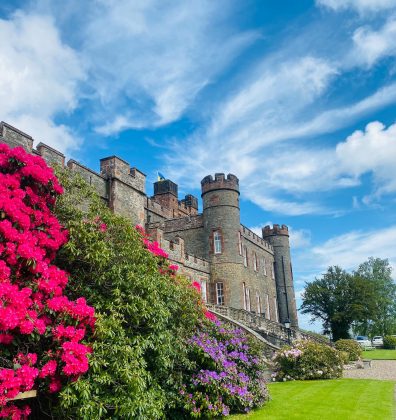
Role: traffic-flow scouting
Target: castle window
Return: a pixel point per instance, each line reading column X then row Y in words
column 244, row 295
column 245, row 256
column 258, row 303
column 171, row 247
column 247, row 298
column 255, row 262
column 219, row 294
column 217, row 242
column 273, row 271
column 276, row 310
column 203, row 290
column 267, row 307
column 264, row 267
column 240, row 242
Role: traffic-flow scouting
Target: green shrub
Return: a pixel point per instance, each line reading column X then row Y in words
column 307, row 360
column 144, row 318
column 389, row 342
column 351, row 347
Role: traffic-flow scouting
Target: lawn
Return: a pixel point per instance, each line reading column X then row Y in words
column 379, row 354
column 346, row 399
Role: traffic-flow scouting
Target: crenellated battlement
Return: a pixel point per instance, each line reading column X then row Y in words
column 115, row 167
column 252, row 237
column 275, row 230
column 220, row 182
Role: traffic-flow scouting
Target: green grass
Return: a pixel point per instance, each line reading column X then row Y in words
column 379, row 354
column 339, row 399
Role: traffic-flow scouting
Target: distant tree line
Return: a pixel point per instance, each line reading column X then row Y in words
column 362, row 302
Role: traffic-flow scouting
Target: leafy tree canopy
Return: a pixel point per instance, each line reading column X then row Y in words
column 338, row 299
column 383, row 321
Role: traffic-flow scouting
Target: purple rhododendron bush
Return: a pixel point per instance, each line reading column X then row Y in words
column 307, row 359
column 227, row 375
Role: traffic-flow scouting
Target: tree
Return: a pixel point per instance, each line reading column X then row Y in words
column 145, row 313
column 339, row 299
column 379, row 273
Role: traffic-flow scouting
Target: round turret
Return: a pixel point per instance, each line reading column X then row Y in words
column 221, row 217
column 278, row 237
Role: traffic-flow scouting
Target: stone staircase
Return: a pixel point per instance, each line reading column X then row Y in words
column 272, row 334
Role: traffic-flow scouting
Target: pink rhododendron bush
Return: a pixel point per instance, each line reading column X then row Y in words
column 307, row 359
column 41, row 330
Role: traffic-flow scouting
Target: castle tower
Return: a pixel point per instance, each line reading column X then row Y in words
column 278, row 237
column 221, row 219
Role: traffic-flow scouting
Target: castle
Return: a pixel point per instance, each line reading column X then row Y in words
column 234, row 266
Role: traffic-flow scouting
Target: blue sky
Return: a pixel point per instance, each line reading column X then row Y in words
column 297, row 98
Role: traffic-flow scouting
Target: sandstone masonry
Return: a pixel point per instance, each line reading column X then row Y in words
column 235, row 267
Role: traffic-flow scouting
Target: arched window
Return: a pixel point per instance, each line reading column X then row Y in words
column 217, row 242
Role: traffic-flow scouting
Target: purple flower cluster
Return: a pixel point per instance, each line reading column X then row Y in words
column 228, row 377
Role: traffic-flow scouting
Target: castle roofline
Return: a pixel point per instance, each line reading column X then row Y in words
column 220, row 182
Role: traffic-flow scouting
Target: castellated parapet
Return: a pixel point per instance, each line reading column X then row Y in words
column 275, row 230
column 220, row 182
column 235, row 266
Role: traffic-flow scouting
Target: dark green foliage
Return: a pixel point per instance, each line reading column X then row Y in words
column 390, row 342
column 144, row 317
column 308, row 360
column 339, row 299
column 351, row 347
column 379, row 273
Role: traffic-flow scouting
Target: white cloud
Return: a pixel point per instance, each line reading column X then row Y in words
column 371, row 45
column 155, row 57
column 359, row 5
column 299, row 238
column 372, row 150
column 352, row 248
column 42, row 129
column 39, row 76
column 261, row 114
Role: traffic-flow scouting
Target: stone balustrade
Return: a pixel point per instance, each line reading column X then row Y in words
column 272, row 331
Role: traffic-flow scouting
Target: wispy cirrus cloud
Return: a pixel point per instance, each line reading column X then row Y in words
column 362, row 6
column 155, row 57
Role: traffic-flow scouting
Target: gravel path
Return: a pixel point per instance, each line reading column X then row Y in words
column 380, row 369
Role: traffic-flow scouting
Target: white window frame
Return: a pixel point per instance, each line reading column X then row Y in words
column 248, row 306
column 220, row 293
column 258, row 303
column 255, row 262
column 240, row 242
column 245, row 257
column 204, row 291
column 276, row 310
column 267, row 309
column 244, row 295
column 264, row 267
column 273, row 271
column 217, row 248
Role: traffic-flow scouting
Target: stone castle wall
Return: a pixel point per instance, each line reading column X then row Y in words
column 188, row 236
